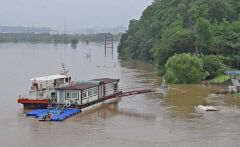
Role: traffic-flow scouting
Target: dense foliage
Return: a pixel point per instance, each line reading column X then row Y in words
column 199, row 27
column 177, row 66
column 213, row 65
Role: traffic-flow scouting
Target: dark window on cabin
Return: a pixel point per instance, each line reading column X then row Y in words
column 66, row 80
column 115, row 86
column 90, row 93
column 53, row 94
column 68, row 95
column 95, row 91
column 71, row 95
column 84, row 94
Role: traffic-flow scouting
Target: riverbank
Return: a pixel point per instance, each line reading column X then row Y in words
column 53, row 38
column 220, row 79
column 228, row 84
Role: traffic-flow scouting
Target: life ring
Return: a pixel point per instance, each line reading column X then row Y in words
column 68, row 104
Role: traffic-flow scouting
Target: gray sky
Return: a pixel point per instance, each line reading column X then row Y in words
column 74, row 13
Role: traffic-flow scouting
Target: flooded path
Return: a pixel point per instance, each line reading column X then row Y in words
column 150, row 120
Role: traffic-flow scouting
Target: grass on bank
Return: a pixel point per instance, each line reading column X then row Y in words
column 237, row 94
column 220, row 78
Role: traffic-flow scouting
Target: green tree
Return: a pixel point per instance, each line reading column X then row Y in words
column 183, row 42
column 204, row 36
column 213, row 65
column 184, row 69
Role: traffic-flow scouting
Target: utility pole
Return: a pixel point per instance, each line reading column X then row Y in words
column 108, row 43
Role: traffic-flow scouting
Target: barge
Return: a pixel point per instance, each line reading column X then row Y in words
column 56, row 97
column 59, row 91
column 77, row 97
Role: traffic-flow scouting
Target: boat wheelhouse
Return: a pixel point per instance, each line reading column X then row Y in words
column 82, row 94
column 42, row 91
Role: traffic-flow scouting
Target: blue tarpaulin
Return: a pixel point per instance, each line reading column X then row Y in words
column 66, row 113
column 232, row 72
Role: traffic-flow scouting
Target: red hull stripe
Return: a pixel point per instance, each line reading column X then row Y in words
column 33, row 101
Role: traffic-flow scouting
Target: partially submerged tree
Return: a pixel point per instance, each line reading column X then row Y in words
column 185, row 69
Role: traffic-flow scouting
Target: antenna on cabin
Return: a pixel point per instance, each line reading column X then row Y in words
column 64, row 70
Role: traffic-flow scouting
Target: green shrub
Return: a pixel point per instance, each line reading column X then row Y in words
column 184, row 69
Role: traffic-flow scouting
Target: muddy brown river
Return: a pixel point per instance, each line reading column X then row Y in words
column 148, row 120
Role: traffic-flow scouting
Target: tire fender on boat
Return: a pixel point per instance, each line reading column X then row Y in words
column 68, row 104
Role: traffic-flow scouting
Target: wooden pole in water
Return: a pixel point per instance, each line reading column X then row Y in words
column 105, row 42
column 112, row 46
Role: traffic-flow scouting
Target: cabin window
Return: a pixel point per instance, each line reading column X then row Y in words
column 106, row 87
column 109, row 87
column 66, row 80
column 84, row 94
column 115, row 86
column 71, row 95
column 53, row 94
column 74, row 95
column 90, row 93
column 95, row 91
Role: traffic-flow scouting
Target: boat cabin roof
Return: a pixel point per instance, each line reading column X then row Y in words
column 81, row 86
column 48, row 78
column 105, row 80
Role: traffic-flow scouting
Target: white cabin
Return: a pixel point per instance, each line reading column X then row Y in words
column 84, row 92
column 44, row 87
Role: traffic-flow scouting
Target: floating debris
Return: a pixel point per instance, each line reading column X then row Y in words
column 208, row 108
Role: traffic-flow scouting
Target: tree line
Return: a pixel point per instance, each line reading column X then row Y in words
column 53, row 38
column 198, row 27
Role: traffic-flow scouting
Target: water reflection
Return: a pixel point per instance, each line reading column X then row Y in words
column 108, row 111
column 74, row 46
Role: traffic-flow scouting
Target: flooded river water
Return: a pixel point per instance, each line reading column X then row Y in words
column 150, row 120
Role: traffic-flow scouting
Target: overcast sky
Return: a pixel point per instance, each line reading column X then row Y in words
column 74, row 13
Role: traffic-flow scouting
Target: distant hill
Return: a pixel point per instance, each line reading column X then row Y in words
column 19, row 29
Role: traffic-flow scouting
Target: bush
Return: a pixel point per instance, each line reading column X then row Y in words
column 184, row 69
